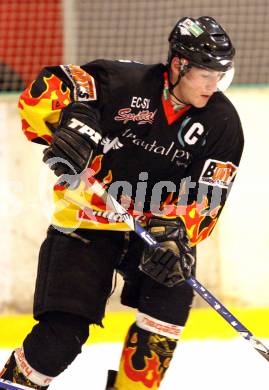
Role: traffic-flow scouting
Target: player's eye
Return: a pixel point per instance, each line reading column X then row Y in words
column 205, row 75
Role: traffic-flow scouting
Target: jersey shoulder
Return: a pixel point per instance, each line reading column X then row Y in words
column 221, row 105
column 125, row 71
column 123, row 66
column 224, row 113
column 121, row 79
column 226, row 120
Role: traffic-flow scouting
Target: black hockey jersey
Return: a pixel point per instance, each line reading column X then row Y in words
column 155, row 158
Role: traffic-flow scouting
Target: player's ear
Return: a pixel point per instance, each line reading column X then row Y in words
column 177, row 64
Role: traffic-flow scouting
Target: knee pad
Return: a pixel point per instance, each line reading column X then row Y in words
column 171, row 305
column 55, row 342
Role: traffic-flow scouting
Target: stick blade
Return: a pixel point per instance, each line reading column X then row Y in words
column 260, row 347
column 7, row 385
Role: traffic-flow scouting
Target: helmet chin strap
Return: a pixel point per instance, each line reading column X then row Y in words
column 184, row 68
column 180, row 101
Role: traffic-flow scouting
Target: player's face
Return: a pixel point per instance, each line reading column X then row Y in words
column 197, row 86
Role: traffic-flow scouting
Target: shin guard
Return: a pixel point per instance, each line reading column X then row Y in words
column 145, row 357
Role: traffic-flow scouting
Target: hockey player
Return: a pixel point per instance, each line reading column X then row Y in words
column 165, row 139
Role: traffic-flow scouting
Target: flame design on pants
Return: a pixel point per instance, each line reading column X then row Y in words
column 145, row 358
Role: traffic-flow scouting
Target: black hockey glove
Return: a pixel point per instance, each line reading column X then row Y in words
column 172, row 262
column 74, row 140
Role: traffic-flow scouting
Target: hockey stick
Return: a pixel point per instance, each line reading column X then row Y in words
column 113, row 204
column 4, row 384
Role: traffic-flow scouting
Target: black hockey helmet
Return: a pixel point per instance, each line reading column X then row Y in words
column 203, row 42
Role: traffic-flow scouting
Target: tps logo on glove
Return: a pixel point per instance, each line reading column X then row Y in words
column 76, row 124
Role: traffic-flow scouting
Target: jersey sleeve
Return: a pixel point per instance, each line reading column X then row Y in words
column 208, row 182
column 40, row 104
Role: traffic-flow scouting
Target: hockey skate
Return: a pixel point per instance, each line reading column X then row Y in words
column 12, row 378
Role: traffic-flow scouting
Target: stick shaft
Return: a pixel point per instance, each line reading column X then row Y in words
column 228, row 316
column 197, row 286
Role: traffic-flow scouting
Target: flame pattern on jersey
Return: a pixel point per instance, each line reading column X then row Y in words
column 198, row 218
column 41, row 104
column 211, row 138
column 199, row 222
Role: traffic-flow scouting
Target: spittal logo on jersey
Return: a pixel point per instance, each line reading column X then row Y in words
column 126, row 115
column 141, row 117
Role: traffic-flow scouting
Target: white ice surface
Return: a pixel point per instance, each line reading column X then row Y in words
column 197, row 365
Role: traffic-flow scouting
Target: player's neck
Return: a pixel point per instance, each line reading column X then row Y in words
column 176, row 103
